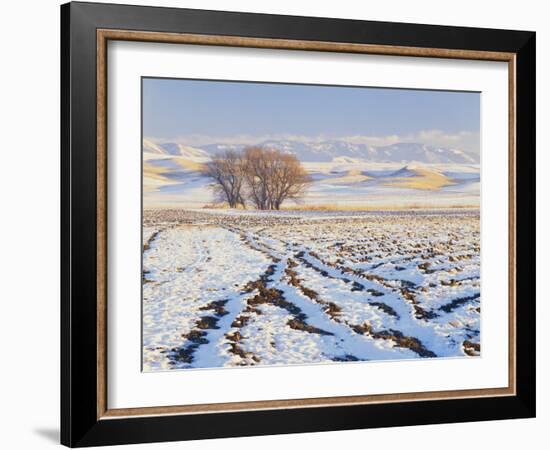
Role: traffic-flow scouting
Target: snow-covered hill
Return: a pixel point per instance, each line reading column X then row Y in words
column 342, row 173
column 173, row 149
column 330, row 150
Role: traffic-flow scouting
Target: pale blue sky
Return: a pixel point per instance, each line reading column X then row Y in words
column 174, row 110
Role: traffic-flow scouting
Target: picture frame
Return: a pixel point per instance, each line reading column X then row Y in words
column 86, row 29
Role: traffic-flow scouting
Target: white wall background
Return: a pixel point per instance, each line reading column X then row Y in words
column 29, row 193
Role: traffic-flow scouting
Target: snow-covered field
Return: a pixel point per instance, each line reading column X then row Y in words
column 224, row 289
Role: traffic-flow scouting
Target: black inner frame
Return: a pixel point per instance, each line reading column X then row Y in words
column 79, row 423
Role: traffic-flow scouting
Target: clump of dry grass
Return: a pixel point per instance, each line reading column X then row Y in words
column 220, row 205
column 362, row 207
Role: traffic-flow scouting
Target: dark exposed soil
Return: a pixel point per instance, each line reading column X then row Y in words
column 144, row 279
column 458, row 302
column 217, row 306
column 268, row 295
column 355, row 286
column 386, row 308
column 330, row 308
column 147, row 246
column 276, row 297
column 153, row 236
column 471, row 348
column 424, row 267
column 208, row 323
column 197, row 336
column 375, row 293
column 346, row 358
column 407, row 288
column 248, row 358
column 396, row 336
column 419, row 312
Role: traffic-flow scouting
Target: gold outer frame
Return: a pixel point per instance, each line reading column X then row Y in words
column 104, row 35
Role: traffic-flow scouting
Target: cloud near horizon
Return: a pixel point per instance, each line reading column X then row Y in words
column 465, row 140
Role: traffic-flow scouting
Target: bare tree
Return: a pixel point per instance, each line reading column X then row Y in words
column 289, row 179
column 226, row 172
column 257, row 174
column 273, row 177
column 266, row 177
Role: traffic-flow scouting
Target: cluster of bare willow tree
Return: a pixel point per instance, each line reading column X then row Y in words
column 259, row 176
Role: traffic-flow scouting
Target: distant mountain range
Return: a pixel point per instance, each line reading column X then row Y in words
column 327, row 151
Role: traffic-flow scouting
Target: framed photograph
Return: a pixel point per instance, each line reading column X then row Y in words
column 276, row 224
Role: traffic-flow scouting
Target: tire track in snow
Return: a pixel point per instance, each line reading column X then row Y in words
column 406, row 289
column 198, row 297
column 350, row 344
column 407, row 319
